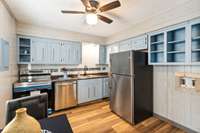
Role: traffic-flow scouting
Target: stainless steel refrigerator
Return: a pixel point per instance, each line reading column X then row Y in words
column 131, row 86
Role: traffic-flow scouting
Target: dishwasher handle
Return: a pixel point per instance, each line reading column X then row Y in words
column 66, row 83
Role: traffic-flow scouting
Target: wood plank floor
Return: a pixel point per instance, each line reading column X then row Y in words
column 97, row 118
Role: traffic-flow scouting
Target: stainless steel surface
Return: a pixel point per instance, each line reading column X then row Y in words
column 34, row 75
column 121, row 94
column 65, row 95
column 131, row 86
column 122, row 85
column 36, row 78
column 31, row 84
column 121, row 63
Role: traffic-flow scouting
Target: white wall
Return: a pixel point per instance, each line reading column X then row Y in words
column 186, row 11
column 180, row 106
column 7, row 32
column 26, row 29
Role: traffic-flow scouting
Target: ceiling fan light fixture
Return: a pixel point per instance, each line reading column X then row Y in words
column 91, row 18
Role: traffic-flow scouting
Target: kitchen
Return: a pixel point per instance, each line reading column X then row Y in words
column 95, row 73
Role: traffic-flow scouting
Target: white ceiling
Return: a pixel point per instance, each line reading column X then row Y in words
column 47, row 13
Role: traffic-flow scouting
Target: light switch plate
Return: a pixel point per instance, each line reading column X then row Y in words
column 189, row 82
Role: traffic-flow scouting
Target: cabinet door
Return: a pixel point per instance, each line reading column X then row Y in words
column 108, row 52
column 140, row 43
column 40, row 51
column 115, row 48
column 37, row 51
column 77, row 55
column 54, row 52
column 63, row 52
column 66, row 59
column 83, row 91
column 102, row 55
column 125, row 45
column 99, row 88
column 95, row 89
column 111, row 49
column 73, row 53
column 92, row 89
column 105, row 87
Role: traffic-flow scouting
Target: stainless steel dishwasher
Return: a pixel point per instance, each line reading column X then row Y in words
column 65, row 94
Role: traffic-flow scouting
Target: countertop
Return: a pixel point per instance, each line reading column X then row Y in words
column 81, row 77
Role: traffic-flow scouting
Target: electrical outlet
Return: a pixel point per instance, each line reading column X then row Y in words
column 190, row 82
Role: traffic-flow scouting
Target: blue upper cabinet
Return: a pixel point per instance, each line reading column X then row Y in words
column 102, row 54
column 176, row 45
column 156, row 48
column 24, row 50
column 195, row 41
column 36, row 50
column 4, row 55
column 170, row 46
column 71, row 53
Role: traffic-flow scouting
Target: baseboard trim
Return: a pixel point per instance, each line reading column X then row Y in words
column 188, row 130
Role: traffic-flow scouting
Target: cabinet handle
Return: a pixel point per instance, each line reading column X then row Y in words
column 88, row 92
column 94, row 92
column 53, row 55
column 43, row 53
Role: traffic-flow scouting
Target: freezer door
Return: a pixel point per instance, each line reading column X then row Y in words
column 121, row 96
column 121, row 63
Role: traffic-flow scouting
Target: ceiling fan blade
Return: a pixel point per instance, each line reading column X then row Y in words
column 73, row 12
column 86, row 3
column 105, row 19
column 110, row 6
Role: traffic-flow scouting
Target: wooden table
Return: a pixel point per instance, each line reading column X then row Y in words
column 57, row 124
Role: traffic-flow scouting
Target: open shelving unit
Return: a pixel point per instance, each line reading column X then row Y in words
column 24, row 50
column 176, row 45
column 157, row 48
column 195, row 42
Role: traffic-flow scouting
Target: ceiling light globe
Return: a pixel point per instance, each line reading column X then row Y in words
column 91, row 18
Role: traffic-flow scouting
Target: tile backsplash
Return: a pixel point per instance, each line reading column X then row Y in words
column 72, row 69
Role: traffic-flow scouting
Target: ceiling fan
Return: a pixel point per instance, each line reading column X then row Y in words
column 92, row 10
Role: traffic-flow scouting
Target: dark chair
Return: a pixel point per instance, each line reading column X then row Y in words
column 37, row 106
